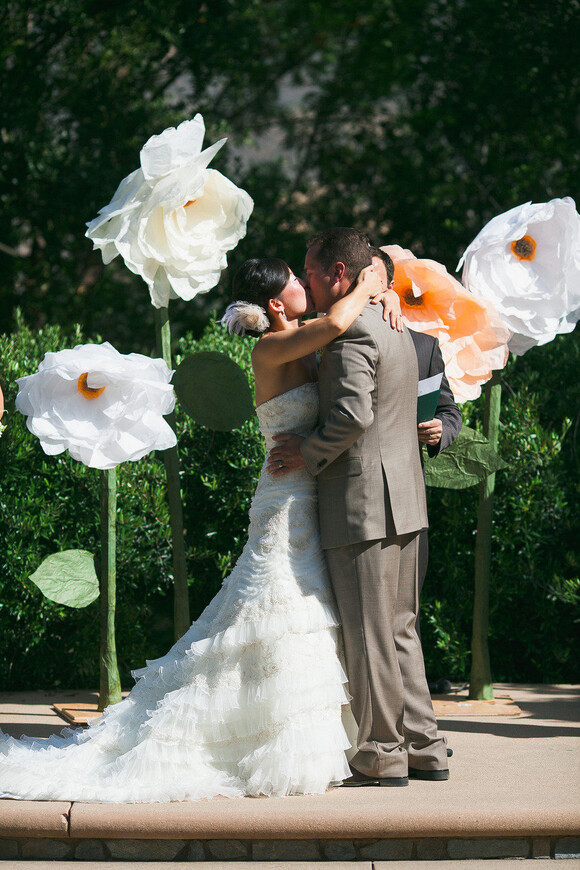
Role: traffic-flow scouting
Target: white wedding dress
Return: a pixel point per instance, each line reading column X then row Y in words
column 248, row 701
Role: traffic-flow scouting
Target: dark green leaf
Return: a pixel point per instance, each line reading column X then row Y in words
column 214, row 390
column 470, row 459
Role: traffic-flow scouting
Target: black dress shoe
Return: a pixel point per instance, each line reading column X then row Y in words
column 359, row 779
column 394, row 781
column 429, row 775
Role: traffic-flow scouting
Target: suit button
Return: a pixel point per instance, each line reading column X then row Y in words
column 321, row 463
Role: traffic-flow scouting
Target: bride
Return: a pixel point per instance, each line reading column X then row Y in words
column 248, row 701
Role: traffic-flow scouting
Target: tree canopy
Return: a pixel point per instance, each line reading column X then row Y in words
column 416, row 121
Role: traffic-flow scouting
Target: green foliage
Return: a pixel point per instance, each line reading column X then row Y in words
column 219, row 472
column 535, row 589
column 68, row 578
column 52, row 503
column 213, row 390
column 416, row 121
column 448, row 647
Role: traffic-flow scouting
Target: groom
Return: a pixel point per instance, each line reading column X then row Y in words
column 372, row 508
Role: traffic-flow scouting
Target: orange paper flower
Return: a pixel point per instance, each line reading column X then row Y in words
column 472, row 337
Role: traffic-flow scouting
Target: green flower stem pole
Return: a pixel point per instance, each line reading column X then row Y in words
column 181, row 619
column 110, row 688
column 480, row 686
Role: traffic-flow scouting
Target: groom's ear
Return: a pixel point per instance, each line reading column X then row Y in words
column 339, row 271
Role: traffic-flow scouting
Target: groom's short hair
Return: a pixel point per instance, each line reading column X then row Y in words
column 342, row 245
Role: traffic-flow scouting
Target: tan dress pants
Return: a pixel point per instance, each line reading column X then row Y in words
column 375, row 584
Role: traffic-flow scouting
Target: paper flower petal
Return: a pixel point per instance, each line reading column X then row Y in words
column 102, row 406
column 471, row 335
column 173, row 220
column 527, row 263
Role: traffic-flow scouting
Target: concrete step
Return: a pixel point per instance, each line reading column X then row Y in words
column 475, row 864
column 514, row 793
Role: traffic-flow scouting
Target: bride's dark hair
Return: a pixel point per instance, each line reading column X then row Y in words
column 255, row 282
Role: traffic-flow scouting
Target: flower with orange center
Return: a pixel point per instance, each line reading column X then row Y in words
column 527, row 263
column 88, row 392
column 173, row 220
column 472, row 339
column 524, row 248
column 102, row 406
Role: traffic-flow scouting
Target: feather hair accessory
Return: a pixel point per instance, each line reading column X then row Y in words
column 242, row 316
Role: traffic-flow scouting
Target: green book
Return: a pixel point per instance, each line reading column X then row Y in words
column 428, row 397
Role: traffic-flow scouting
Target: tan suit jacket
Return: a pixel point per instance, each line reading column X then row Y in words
column 371, row 495
column 364, row 451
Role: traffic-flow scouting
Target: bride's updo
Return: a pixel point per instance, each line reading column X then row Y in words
column 255, row 282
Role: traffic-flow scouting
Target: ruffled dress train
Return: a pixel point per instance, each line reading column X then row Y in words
column 248, row 701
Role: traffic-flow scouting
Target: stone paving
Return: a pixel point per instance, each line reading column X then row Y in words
column 514, row 793
column 472, row 864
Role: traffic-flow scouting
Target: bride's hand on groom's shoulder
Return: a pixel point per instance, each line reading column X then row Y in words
column 380, row 292
column 391, row 308
column 371, row 280
column 285, row 456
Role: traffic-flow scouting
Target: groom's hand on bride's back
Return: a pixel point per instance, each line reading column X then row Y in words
column 285, row 457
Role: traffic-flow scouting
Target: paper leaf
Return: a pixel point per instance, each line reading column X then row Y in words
column 214, row 390
column 470, row 459
column 68, row 578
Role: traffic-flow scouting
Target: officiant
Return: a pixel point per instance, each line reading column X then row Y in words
column 437, row 434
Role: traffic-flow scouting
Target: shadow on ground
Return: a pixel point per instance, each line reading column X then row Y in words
column 517, row 730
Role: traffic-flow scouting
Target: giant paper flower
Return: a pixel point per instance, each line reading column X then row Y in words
column 527, row 262
column 173, row 220
column 102, row 406
column 472, row 338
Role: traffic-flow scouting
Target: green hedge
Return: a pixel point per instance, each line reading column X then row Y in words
column 535, row 581
column 51, row 503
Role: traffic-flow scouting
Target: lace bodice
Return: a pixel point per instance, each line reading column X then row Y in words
column 294, row 411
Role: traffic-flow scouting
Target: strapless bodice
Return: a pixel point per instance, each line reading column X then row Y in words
column 293, row 411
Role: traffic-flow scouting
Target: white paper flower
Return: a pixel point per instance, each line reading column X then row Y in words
column 472, row 337
column 102, row 406
column 173, row 220
column 527, row 262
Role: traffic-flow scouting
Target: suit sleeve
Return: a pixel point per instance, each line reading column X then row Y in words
column 352, row 359
column 447, row 411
